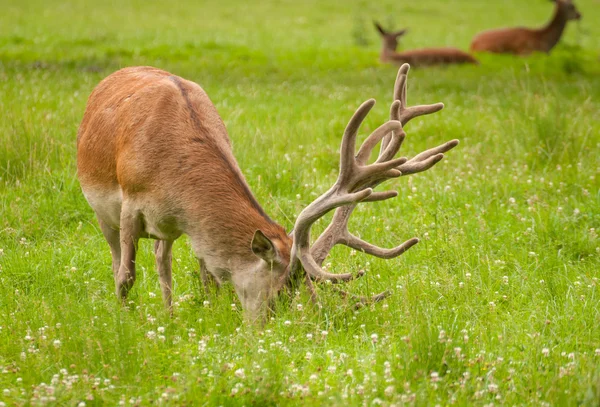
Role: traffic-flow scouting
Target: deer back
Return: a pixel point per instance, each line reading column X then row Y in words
column 523, row 41
column 430, row 56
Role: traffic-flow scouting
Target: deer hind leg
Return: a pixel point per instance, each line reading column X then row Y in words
column 208, row 280
column 162, row 252
column 112, row 237
column 131, row 228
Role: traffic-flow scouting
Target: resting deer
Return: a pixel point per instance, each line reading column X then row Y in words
column 418, row 57
column 154, row 161
column 524, row 41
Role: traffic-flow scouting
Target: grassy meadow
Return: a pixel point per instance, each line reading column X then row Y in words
column 498, row 305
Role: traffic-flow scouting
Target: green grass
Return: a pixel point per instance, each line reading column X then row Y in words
column 498, row 304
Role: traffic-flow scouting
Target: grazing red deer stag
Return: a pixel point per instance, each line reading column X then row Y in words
column 419, row 57
column 154, row 160
column 524, row 41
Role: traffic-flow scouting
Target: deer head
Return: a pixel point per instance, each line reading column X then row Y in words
column 568, row 9
column 390, row 39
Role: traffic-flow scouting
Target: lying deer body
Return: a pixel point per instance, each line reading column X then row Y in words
column 524, row 41
column 419, row 57
column 154, row 161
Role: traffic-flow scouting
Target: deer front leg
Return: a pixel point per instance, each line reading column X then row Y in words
column 162, row 253
column 130, row 234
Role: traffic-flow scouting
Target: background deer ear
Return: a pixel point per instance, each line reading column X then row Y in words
column 400, row 33
column 263, row 247
column 379, row 28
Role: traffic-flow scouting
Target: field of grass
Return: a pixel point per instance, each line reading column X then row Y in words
column 499, row 304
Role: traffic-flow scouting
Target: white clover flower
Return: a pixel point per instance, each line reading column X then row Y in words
column 493, row 388
column 161, row 329
column 151, row 335
column 56, row 343
column 240, row 373
column 374, row 338
column 435, row 377
column 287, row 323
column 545, row 351
column 597, row 352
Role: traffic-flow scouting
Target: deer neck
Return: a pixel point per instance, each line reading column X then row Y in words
column 387, row 51
column 222, row 222
column 552, row 32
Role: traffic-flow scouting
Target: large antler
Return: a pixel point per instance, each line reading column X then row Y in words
column 355, row 184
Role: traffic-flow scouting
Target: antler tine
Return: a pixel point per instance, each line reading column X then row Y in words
column 354, row 173
column 354, row 242
column 370, row 142
column 347, row 163
column 337, row 233
column 427, row 159
column 405, row 113
column 402, row 112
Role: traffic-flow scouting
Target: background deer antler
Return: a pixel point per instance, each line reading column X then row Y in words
column 355, row 184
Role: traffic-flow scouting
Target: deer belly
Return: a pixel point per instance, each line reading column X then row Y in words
column 159, row 219
column 159, row 226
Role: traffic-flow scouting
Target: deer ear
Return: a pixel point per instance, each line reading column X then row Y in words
column 379, row 28
column 263, row 247
column 400, row 33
